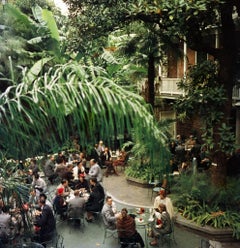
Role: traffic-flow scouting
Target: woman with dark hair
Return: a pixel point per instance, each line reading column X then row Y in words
column 82, row 183
column 126, row 227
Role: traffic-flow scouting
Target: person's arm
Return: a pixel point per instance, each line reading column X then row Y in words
column 93, row 171
column 41, row 219
column 156, row 203
column 109, row 217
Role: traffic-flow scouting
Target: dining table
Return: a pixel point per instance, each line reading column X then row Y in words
column 85, row 195
column 143, row 219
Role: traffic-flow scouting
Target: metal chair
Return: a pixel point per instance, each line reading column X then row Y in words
column 123, row 163
column 29, row 245
column 109, row 233
column 76, row 218
column 168, row 238
column 59, row 241
column 156, row 188
column 125, row 244
column 97, row 214
column 97, row 217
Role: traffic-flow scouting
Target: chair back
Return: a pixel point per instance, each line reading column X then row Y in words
column 75, row 212
column 29, row 245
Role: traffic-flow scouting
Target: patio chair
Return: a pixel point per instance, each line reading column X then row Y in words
column 168, row 238
column 76, row 218
column 29, row 245
column 128, row 244
column 97, row 214
column 122, row 163
column 109, row 233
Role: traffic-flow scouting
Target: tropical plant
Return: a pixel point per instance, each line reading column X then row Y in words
column 27, row 40
column 150, row 163
column 177, row 21
column 13, row 182
column 66, row 99
column 203, row 203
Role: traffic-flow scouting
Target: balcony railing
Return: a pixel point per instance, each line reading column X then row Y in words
column 236, row 93
column 168, row 89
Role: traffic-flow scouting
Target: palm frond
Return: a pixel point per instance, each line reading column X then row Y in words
column 68, row 97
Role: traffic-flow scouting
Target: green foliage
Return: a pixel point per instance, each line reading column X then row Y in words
column 13, row 182
column 27, row 39
column 205, row 204
column 26, row 5
column 70, row 98
column 151, row 160
column 206, row 97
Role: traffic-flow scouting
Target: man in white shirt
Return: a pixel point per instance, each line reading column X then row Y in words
column 95, row 170
column 162, row 198
column 39, row 184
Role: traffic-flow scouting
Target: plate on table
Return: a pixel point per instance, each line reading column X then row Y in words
column 140, row 220
column 138, row 210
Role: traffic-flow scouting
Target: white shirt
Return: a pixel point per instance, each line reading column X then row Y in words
column 167, row 202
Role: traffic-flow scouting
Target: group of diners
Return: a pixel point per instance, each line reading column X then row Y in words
column 79, row 192
column 125, row 224
column 38, row 208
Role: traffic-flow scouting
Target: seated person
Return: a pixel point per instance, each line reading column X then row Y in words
column 109, row 217
column 45, row 221
column 39, row 184
column 59, row 204
column 122, row 159
column 5, row 224
column 190, row 143
column 107, row 161
column 66, row 189
column 47, row 202
column 95, row 200
column 49, row 168
column 82, row 183
column 162, row 224
column 162, row 198
column 76, row 206
column 33, row 198
column 105, row 157
column 78, row 169
column 60, row 168
column 126, row 227
column 68, row 175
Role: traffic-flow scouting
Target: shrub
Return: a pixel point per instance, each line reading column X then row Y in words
column 196, row 199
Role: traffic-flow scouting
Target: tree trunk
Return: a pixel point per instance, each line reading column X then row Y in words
column 227, row 61
column 218, row 169
column 151, row 77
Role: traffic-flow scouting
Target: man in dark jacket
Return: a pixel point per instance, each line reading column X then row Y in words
column 95, row 200
column 45, row 221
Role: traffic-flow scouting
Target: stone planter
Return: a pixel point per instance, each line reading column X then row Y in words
column 138, row 182
column 211, row 233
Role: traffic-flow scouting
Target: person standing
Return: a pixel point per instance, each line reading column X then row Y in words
column 49, row 169
column 162, row 198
